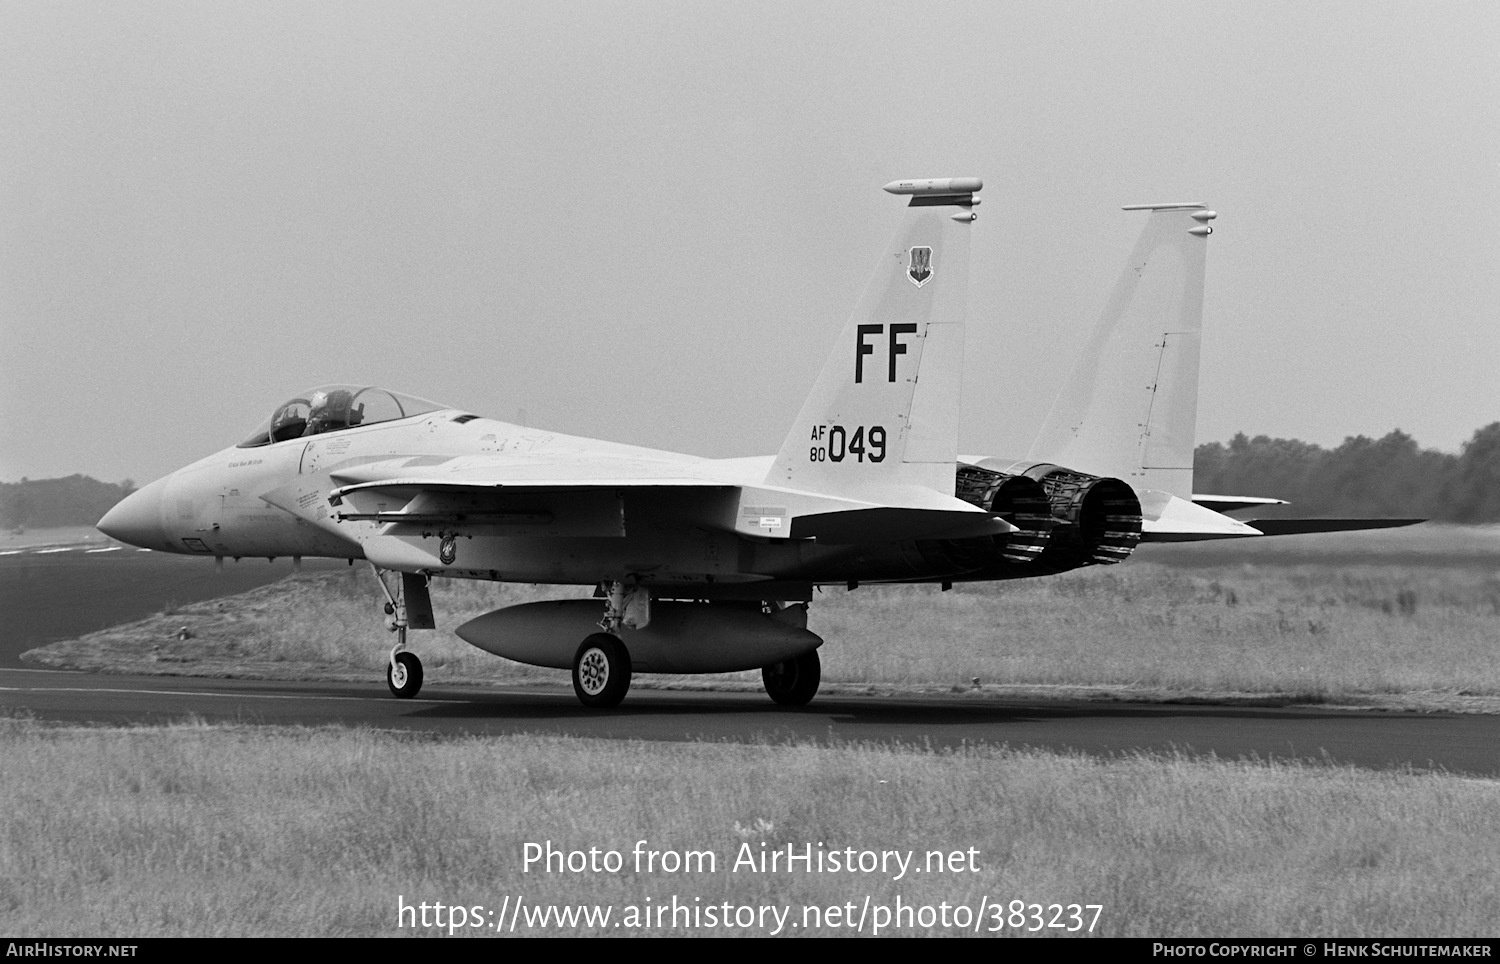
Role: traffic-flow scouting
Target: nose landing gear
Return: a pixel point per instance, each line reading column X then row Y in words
column 409, row 607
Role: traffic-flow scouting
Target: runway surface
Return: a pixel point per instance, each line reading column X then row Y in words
column 1456, row 743
column 49, row 594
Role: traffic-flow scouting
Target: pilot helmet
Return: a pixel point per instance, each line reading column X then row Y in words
column 332, row 409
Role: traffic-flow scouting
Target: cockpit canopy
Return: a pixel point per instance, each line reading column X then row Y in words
column 333, row 408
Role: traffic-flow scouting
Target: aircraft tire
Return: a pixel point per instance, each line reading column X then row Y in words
column 405, row 678
column 794, row 682
column 601, row 671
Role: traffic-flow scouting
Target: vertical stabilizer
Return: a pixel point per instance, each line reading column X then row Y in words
column 1130, row 410
column 885, row 409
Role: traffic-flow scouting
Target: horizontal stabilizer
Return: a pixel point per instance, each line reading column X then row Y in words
column 1178, row 520
column 1234, row 503
column 1290, row 527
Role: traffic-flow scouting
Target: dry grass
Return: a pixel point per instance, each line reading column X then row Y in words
column 1302, row 630
column 308, row 625
column 202, row 831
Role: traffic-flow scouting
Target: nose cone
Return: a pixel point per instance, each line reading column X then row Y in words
column 137, row 519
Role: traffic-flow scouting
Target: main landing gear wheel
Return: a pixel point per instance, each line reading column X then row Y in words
column 794, row 682
column 403, row 675
column 601, row 671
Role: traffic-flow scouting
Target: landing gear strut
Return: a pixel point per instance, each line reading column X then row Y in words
column 409, row 607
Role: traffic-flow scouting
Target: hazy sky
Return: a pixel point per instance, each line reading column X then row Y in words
column 648, row 221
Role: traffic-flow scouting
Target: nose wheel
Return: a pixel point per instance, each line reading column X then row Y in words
column 403, row 674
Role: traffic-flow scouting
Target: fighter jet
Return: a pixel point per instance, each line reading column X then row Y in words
column 709, row 565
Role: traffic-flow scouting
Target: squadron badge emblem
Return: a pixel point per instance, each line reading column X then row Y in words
column 448, row 550
column 920, row 269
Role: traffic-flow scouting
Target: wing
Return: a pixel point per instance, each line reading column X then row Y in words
column 563, row 507
column 599, row 496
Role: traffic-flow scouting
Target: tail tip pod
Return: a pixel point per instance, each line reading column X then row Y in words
column 943, row 186
column 1200, row 213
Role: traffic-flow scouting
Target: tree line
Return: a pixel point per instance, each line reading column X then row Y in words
column 46, row 503
column 1389, row 476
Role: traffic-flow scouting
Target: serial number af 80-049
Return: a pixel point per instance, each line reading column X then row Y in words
column 837, row 444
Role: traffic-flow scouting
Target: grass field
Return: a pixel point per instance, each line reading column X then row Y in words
column 61, row 536
column 198, row 831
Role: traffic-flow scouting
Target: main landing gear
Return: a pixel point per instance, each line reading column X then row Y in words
column 601, row 667
column 408, row 607
column 794, row 682
column 602, row 663
column 601, row 671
